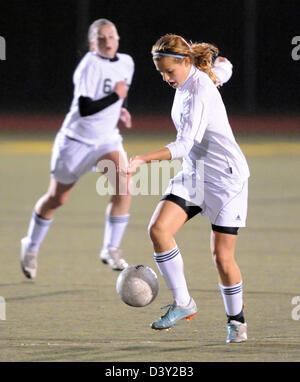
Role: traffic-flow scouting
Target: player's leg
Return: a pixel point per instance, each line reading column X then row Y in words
column 223, row 250
column 68, row 163
column 230, row 282
column 167, row 219
column 40, row 222
column 55, row 197
column 226, row 208
column 117, row 211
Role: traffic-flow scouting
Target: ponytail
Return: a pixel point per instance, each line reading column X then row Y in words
column 204, row 56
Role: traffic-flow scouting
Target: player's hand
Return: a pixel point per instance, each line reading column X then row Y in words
column 134, row 163
column 125, row 118
column 121, row 89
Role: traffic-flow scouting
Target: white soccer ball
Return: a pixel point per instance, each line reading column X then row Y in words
column 137, row 285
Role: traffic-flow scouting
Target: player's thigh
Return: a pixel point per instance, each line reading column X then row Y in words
column 168, row 217
column 71, row 159
column 222, row 245
column 117, row 156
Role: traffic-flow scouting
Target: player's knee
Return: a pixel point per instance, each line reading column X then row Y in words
column 56, row 201
column 156, row 230
column 121, row 200
column 122, row 186
column 151, row 231
column 223, row 261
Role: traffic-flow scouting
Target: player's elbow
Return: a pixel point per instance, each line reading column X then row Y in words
column 180, row 148
column 187, row 147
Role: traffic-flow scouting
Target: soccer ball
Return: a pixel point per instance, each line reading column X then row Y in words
column 137, row 285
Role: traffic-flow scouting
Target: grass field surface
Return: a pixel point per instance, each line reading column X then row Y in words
column 71, row 312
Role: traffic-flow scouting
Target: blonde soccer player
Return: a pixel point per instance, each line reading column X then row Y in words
column 213, row 181
column 89, row 134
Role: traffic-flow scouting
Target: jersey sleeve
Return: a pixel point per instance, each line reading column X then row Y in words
column 86, row 79
column 194, row 120
column 223, row 70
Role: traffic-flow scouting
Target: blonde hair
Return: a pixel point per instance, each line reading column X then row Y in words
column 202, row 55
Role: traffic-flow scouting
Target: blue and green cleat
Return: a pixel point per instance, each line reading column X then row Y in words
column 237, row 331
column 174, row 314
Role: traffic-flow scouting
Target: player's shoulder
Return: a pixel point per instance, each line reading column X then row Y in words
column 201, row 77
column 88, row 60
column 125, row 58
column 92, row 58
column 197, row 80
column 203, row 80
column 203, row 86
column 88, row 65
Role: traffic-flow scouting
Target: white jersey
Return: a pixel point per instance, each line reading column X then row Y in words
column 204, row 132
column 95, row 77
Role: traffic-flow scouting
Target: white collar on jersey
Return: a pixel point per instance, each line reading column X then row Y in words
column 191, row 73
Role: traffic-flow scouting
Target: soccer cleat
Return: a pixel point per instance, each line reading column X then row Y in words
column 28, row 260
column 112, row 257
column 237, row 331
column 104, row 256
column 174, row 314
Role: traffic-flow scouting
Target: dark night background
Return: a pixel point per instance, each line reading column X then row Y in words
column 46, row 38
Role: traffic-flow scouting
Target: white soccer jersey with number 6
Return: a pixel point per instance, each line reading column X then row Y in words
column 95, row 77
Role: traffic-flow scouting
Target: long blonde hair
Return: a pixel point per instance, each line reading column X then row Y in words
column 202, row 55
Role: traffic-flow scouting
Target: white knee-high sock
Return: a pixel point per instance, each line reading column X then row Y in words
column 114, row 230
column 37, row 230
column 170, row 265
column 232, row 298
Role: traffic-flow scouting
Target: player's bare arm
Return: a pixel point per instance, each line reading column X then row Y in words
column 136, row 161
column 125, row 118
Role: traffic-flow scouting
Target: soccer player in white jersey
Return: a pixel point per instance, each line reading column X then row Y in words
column 88, row 135
column 217, row 190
